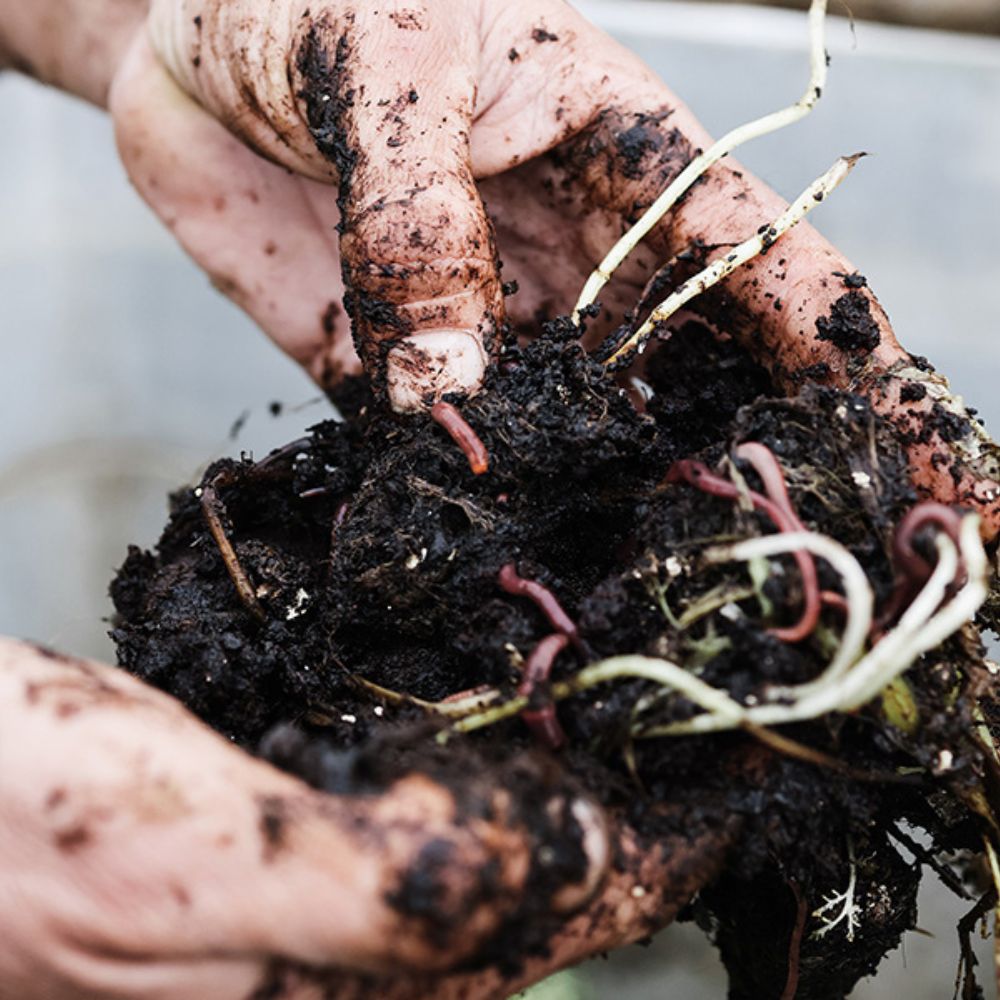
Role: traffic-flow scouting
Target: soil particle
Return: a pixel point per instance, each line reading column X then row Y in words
column 624, row 160
column 329, row 96
column 912, row 392
column 852, row 281
column 273, row 821
column 540, row 35
column 850, row 325
column 73, row 838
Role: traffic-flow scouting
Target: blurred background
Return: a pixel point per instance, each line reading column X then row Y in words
column 954, row 15
column 124, row 373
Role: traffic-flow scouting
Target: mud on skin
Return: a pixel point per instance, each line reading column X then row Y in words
column 375, row 551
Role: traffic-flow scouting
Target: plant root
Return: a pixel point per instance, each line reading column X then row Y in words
column 700, row 164
column 778, row 508
column 722, row 267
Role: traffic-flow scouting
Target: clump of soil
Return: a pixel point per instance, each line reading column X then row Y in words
column 374, row 555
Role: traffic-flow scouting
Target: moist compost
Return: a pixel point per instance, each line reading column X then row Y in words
column 373, row 555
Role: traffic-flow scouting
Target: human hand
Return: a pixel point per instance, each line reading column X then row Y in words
column 404, row 109
column 416, row 112
column 143, row 856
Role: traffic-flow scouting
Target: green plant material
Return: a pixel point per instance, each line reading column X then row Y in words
column 760, row 573
column 900, row 707
column 706, row 649
column 712, row 600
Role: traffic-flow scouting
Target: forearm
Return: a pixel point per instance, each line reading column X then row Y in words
column 75, row 45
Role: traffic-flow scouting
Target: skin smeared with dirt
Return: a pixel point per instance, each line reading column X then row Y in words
column 379, row 558
column 562, row 141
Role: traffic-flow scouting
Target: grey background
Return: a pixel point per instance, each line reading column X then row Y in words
column 122, row 370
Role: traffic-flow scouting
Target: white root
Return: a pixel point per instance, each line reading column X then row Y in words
column 923, row 627
column 858, row 592
column 840, row 907
column 848, row 683
column 669, row 675
column 701, row 163
column 722, row 267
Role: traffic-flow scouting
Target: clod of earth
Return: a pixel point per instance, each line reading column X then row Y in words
column 357, row 599
column 401, row 598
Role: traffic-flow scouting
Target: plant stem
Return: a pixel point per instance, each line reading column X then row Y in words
column 700, row 164
column 724, row 266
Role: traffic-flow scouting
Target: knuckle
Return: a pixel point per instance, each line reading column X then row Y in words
column 625, row 159
column 423, row 244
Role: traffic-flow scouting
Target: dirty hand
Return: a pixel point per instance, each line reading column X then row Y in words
column 143, row 856
column 410, row 113
column 416, row 113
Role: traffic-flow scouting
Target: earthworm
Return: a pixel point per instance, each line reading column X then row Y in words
column 463, row 435
column 912, row 569
column 772, row 476
column 544, row 599
column 764, row 463
column 697, row 474
column 542, row 721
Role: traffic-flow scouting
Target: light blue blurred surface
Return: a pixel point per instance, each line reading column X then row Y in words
column 122, row 369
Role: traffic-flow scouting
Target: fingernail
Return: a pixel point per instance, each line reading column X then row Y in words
column 425, row 366
column 597, row 850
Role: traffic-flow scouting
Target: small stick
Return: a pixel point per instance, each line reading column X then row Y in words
column 722, row 267
column 463, row 435
column 544, row 599
column 700, row 164
column 542, row 721
column 214, row 510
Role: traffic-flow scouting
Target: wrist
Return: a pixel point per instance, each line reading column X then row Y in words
column 75, row 45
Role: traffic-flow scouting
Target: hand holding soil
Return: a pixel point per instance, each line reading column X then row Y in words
column 143, row 856
column 409, row 150
column 423, row 118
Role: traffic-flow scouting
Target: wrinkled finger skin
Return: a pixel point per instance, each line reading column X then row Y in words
column 415, row 112
column 142, row 856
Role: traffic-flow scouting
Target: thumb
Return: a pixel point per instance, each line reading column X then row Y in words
column 389, row 98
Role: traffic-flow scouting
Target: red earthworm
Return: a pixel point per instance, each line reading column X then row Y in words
column 463, row 435
column 545, row 600
column 697, row 474
column 912, row 569
column 339, row 515
column 771, row 475
column 541, row 719
column 834, row 600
